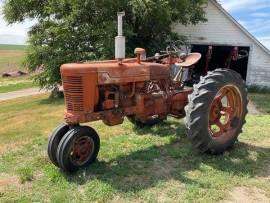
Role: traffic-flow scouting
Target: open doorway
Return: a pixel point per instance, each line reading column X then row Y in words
column 217, row 56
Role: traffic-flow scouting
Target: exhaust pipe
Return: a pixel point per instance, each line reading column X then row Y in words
column 120, row 40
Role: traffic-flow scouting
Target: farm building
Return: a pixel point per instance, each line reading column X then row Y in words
column 223, row 34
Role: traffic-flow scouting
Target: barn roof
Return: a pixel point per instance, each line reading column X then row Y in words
column 253, row 38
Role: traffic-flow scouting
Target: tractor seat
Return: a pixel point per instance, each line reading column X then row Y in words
column 190, row 60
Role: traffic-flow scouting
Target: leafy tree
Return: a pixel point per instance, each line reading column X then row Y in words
column 75, row 30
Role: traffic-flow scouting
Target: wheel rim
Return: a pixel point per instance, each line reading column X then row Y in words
column 82, row 150
column 225, row 111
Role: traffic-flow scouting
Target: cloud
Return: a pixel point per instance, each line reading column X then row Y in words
column 265, row 41
column 260, row 15
column 261, row 5
column 257, row 26
column 15, row 33
column 254, row 16
column 260, row 28
column 237, row 5
column 12, row 39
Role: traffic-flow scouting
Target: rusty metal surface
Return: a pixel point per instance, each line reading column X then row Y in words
column 225, row 112
column 109, row 90
column 190, row 60
column 82, row 150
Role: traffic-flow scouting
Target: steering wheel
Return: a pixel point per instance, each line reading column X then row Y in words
column 180, row 47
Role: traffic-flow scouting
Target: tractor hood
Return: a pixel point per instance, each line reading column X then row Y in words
column 111, row 72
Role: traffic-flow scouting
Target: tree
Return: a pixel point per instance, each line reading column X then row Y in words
column 75, row 30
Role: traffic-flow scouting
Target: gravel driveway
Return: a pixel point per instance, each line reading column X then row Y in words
column 21, row 93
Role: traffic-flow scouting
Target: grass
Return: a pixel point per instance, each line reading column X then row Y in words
column 12, row 47
column 262, row 101
column 15, row 84
column 25, row 174
column 151, row 165
column 11, row 57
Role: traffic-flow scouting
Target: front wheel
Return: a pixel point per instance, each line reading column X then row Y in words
column 216, row 111
column 78, row 148
column 54, row 141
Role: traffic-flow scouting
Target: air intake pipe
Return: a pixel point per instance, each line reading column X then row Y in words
column 120, row 40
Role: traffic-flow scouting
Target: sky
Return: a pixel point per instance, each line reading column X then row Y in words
column 254, row 15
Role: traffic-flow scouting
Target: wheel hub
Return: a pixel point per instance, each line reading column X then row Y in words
column 82, row 150
column 225, row 109
column 215, row 111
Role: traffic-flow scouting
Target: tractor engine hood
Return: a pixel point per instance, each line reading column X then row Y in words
column 81, row 81
column 111, row 72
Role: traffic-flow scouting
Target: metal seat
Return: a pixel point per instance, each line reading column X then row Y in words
column 190, row 60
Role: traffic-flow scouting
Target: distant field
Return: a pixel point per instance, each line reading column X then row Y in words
column 12, row 47
column 14, row 84
column 11, row 57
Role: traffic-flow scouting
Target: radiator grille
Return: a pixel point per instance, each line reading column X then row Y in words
column 73, row 87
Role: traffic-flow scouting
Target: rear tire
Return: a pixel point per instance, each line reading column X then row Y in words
column 211, row 126
column 78, row 148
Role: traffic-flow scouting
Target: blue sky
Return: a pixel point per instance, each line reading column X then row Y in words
column 252, row 14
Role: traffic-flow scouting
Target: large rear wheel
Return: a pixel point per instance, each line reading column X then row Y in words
column 216, row 111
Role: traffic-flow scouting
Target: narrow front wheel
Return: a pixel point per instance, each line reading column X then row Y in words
column 54, row 141
column 78, row 148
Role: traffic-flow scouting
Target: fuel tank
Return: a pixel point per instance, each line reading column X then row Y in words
column 81, row 80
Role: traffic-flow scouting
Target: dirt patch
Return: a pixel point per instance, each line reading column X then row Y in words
column 6, row 181
column 265, row 172
column 21, row 93
column 11, row 53
column 11, row 147
column 247, row 195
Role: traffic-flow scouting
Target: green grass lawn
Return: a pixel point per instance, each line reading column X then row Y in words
column 151, row 165
column 12, row 47
column 262, row 101
column 11, row 57
column 14, row 84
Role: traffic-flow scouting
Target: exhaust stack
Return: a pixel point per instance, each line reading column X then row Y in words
column 120, row 40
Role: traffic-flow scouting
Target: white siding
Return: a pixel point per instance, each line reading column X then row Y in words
column 220, row 29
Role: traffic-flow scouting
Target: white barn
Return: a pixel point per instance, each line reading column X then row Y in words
column 223, row 30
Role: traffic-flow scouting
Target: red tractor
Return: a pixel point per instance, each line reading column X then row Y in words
column 146, row 91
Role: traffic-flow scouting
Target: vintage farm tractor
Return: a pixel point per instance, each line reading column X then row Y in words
column 146, row 91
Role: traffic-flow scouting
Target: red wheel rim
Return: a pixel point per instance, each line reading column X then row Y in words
column 225, row 111
column 82, row 150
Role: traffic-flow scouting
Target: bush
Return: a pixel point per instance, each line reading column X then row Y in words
column 258, row 89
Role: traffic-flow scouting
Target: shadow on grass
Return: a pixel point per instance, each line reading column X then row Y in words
column 52, row 101
column 163, row 129
column 146, row 168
